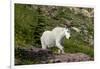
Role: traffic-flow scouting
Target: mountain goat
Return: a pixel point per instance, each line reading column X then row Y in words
column 54, row 38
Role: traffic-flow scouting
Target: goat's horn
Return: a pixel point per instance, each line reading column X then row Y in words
column 76, row 29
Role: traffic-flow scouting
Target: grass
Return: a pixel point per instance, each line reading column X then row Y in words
column 72, row 46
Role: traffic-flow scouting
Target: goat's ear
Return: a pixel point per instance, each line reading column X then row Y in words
column 68, row 24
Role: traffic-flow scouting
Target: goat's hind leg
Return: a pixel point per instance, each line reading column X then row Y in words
column 43, row 45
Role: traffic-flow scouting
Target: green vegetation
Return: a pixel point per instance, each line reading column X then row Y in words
column 76, row 46
column 32, row 20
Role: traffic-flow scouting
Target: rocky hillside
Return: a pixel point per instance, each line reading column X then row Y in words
column 32, row 20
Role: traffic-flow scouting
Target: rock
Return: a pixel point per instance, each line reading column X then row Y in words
column 33, row 54
column 77, row 57
column 46, row 56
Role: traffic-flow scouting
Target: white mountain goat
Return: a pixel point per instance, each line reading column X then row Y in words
column 54, row 38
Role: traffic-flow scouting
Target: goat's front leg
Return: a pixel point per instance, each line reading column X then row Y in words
column 61, row 50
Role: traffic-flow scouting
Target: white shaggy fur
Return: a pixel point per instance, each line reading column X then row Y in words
column 54, row 38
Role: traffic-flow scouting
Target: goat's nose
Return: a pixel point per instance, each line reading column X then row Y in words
column 69, row 37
